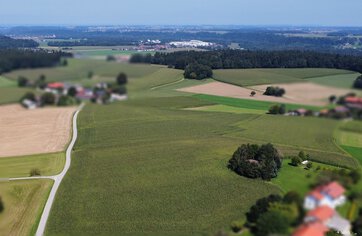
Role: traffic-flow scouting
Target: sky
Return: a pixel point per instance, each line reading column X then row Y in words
column 181, row 12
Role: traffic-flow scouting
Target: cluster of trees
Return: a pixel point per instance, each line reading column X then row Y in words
column 7, row 43
column 347, row 178
column 297, row 160
column 275, row 214
column 197, row 71
column 358, row 82
column 243, row 59
column 254, row 161
column 278, row 109
column 12, row 59
column 274, row 91
column 39, row 83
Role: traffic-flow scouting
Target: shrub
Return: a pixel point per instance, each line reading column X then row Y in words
column 296, row 161
column 1, row 205
column 48, row 99
column 35, row 172
column 309, row 165
column 237, row 225
column 274, row 91
column 122, row 79
column 22, row 81
column 30, row 96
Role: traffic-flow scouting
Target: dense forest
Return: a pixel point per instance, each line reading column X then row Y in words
column 6, row 43
column 243, row 59
column 12, row 59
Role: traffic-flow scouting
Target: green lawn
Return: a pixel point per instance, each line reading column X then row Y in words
column 48, row 164
column 339, row 81
column 250, row 77
column 4, row 82
column 250, row 104
column 12, row 94
column 24, row 202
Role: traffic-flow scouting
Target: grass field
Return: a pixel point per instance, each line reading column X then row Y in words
column 163, row 167
column 78, row 69
column 156, row 166
column 48, row 164
column 4, row 82
column 250, row 77
column 24, row 201
column 250, row 104
column 12, row 94
column 339, row 81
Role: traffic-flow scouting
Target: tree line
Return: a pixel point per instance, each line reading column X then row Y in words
column 12, row 59
column 245, row 59
column 7, row 42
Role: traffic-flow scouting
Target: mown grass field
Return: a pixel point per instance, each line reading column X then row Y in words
column 12, row 94
column 4, row 82
column 339, row 81
column 250, row 77
column 47, row 164
column 24, row 202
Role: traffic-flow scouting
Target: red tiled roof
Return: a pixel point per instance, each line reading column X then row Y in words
column 353, row 99
column 56, row 85
column 316, row 194
column 313, row 229
column 334, row 189
column 321, row 213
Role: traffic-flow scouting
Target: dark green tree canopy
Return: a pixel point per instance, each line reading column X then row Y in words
column 254, row 161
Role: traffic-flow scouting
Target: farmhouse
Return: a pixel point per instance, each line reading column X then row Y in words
column 311, row 229
column 353, row 102
column 331, row 195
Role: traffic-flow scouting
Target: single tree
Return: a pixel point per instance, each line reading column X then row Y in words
column 122, row 79
column 252, row 94
column 90, row 74
column 22, row 81
column 72, row 91
column 1, row 205
column 296, row 161
column 47, row 99
column 35, row 172
column 332, row 99
column 272, row 222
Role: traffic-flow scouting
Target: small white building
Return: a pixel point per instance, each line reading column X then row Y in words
column 29, row 104
column 331, row 195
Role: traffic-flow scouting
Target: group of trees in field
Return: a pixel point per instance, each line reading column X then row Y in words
column 12, row 59
column 274, row 91
column 254, row 161
column 7, row 43
column 275, row 214
column 358, row 82
column 278, row 109
column 243, row 59
column 197, row 71
column 39, row 83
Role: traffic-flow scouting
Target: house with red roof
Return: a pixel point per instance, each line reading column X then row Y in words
column 331, row 195
column 311, row 229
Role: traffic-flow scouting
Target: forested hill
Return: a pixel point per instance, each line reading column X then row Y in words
column 6, row 43
column 243, row 59
column 12, row 59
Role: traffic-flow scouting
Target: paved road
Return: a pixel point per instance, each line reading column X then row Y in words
column 57, row 178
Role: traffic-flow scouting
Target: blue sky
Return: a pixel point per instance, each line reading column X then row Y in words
column 186, row 12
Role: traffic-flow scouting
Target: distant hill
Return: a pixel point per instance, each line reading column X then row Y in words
column 7, row 43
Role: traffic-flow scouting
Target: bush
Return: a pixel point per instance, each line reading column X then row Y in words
column 30, row 96
column 35, row 172
column 47, row 99
column 296, row 161
column 309, row 165
column 237, row 225
column 122, row 79
column 358, row 82
column 274, row 91
column 1, row 205
column 65, row 100
column 22, row 81
column 254, row 161
column 277, row 109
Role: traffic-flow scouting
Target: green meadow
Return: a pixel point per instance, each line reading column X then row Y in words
column 47, row 164
column 251, row 77
column 339, row 81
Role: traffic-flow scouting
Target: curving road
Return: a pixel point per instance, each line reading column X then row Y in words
column 57, row 178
